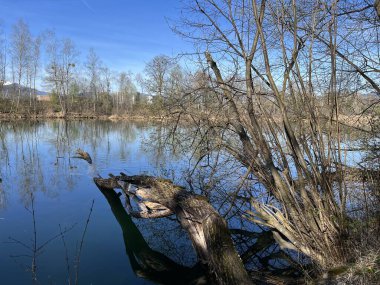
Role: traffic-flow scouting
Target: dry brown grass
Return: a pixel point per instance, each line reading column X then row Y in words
column 365, row 271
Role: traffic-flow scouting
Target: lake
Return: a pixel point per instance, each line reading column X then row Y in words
column 56, row 227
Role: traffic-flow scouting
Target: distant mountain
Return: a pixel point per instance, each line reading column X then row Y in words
column 39, row 92
column 9, row 88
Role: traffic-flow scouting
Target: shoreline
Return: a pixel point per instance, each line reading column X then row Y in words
column 355, row 122
column 78, row 116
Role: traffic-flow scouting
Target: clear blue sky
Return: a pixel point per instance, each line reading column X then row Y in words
column 124, row 33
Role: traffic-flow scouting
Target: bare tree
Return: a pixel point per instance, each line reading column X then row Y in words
column 269, row 63
column 20, row 50
column 176, row 83
column 3, row 59
column 32, row 69
column 60, row 69
column 157, row 72
column 93, row 66
column 126, row 92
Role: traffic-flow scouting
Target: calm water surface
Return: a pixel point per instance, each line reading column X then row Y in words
column 39, row 174
column 57, row 227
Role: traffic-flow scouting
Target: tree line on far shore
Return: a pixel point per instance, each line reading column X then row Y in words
column 30, row 62
column 90, row 88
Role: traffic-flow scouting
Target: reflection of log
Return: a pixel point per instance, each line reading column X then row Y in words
column 207, row 229
column 145, row 262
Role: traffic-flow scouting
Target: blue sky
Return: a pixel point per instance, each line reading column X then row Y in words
column 124, row 33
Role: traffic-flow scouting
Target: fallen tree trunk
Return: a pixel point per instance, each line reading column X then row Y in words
column 146, row 262
column 207, row 230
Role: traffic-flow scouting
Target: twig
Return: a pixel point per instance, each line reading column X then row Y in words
column 81, row 244
column 56, row 236
column 34, row 259
column 13, row 240
column 66, row 255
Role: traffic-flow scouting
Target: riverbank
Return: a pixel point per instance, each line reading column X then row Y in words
column 354, row 121
column 74, row 116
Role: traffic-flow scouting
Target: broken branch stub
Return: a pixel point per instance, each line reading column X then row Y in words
column 84, row 155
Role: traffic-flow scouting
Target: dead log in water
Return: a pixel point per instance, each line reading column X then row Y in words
column 157, row 197
column 83, row 155
column 146, row 262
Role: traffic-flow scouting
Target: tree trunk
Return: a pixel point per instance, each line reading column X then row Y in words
column 206, row 228
column 146, row 262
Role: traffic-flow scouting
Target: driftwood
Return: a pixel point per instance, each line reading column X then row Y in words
column 83, row 155
column 207, row 230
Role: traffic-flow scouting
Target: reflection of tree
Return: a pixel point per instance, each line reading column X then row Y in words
column 145, row 262
column 35, row 248
column 20, row 142
column 3, row 197
column 29, row 148
column 166, row 151
column 157, row 197
column 207, row 230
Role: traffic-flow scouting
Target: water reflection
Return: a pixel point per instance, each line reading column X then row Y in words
column 30, row 249
column 146, row 262
column 31, row 150
column 37, row 161
column 38, row 170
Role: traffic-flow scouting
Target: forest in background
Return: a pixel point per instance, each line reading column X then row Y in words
column 88, row 88
column 45, row 76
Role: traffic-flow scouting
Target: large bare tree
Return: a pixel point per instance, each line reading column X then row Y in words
column 93, row 66
column 3, row 59
column 270, row 63
column 124, row 99
column 60, row 68
column 20, row 50
column 157, row 72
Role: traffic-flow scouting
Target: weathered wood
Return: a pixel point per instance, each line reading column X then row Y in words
column 146, row 262
column 206, row 228
column 83, row 155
